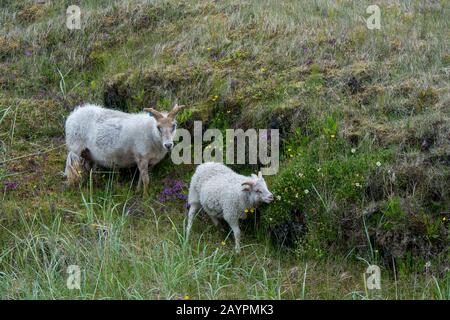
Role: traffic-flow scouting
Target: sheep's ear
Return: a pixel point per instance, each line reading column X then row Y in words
column 260, row 175
column 158, row 115
column 254, row 176
column 176, row 108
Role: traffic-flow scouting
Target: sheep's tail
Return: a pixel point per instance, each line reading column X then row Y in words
column 73, row 168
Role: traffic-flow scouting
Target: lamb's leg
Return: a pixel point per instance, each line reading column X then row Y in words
column 194, row 207
column 139, row 182
column 143, row 174
column 234, row 224
column 214, row 220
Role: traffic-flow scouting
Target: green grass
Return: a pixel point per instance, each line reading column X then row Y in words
column 344, row 98
column 123, row 255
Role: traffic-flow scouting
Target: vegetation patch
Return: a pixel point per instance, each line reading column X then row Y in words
column 363, row 117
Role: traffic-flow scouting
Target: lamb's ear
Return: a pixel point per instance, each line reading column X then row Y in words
column 158, row 115
column 176, row 108
column 248, row 185
column 260, row 175
column 254, row 176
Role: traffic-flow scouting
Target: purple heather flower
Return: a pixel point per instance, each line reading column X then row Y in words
column 28, row 53
column 172, row 190
column 332, row 41
column 10, row 185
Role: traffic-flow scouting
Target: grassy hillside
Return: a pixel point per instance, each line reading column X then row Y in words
column 364, row 119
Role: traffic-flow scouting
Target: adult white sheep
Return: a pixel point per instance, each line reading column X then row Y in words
column 111, row 138
column 225, row 194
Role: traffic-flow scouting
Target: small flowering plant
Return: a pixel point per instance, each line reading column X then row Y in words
column 248, row 211
column 10, row 185
column 302, row 181
column 173, row 190
column 295, row 145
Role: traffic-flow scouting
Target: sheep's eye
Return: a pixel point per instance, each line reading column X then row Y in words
column 159, row 128
column 174, row 126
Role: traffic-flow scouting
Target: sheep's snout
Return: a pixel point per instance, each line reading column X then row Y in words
column 268, row 198
column 168, row 146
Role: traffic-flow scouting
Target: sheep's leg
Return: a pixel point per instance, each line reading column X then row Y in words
column 92, row 171
column 139, row 182
column 194, row 207
column 90, row 167
column 73, row 168
column 214, row 220
column 88, row 162
column 234, row 224
column 143, row 174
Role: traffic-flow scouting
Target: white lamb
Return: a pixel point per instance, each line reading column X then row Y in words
column 111, row 138
column 225, row 194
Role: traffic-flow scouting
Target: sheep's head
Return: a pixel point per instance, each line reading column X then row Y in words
column 166, row 125
column 257, row 188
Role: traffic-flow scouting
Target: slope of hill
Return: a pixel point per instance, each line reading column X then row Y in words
column 365, row 147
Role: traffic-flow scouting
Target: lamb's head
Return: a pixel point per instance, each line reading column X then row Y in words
column 166, row 125
column 257, row 188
